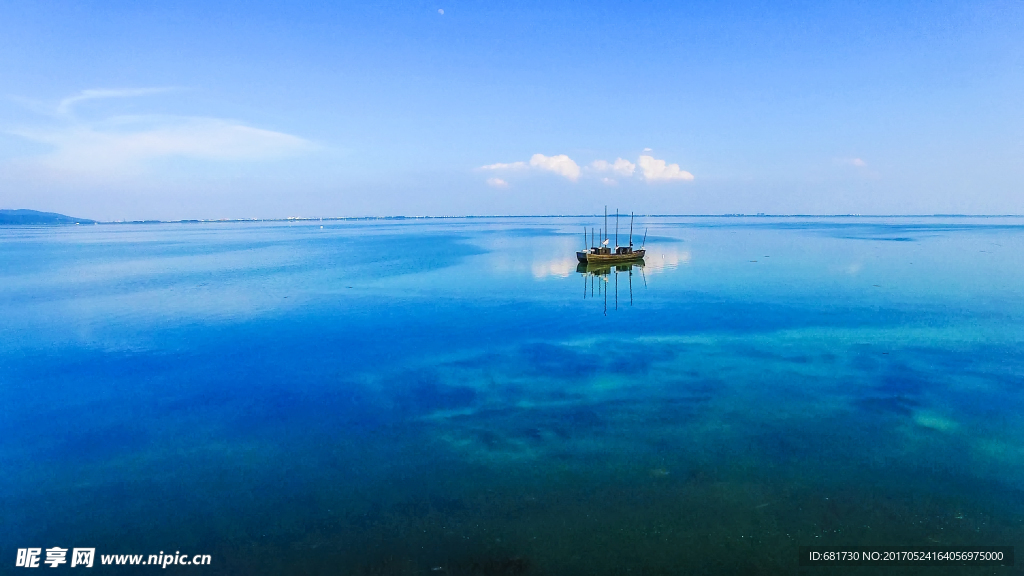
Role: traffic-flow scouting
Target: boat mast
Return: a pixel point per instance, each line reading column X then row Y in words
column 616, row 227
column 605, row 235
column 630, row 229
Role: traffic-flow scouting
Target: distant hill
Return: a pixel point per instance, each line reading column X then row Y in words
column 35, row 217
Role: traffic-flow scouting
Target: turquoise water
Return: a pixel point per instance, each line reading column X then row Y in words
column 454, row 397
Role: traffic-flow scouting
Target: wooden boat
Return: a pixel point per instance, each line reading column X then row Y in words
column 605, row 254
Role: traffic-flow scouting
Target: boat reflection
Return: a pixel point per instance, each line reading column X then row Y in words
column 600, row 279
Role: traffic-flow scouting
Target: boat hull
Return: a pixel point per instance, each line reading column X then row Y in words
column 610, row 258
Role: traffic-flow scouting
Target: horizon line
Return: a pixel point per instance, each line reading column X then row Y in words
column 479, row 216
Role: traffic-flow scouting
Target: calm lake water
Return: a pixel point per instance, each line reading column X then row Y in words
column 454, row 397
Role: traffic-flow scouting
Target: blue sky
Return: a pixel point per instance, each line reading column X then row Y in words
column 134, row 110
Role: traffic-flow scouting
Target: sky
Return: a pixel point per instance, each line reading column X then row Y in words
column 176, row 110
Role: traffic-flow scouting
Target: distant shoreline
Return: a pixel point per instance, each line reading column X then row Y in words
column 32, row 217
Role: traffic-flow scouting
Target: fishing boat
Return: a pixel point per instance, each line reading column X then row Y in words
column 603, row 253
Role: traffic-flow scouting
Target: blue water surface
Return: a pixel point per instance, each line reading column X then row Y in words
column 457, row 396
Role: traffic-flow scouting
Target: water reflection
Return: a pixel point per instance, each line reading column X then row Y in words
column 561, row 268
column 666, row 259
column 600, row 279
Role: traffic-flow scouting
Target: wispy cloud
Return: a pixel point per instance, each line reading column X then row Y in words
column 120, row 146
column 126, row 144
column 66, row 105
column 860, row 168
column 655, row 170
column 504, row 166
column 497, row 183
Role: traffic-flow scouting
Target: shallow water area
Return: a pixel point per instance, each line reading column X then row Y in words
column 453, row 396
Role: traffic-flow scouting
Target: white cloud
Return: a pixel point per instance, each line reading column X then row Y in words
column 854, row 162
column 651, row 169
column 126, row 145
column 504, row 166
column 620, row 166
column 648, row 150
column 561, row 165
column 497, row 183
column 68, row 103
column 655, row 170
